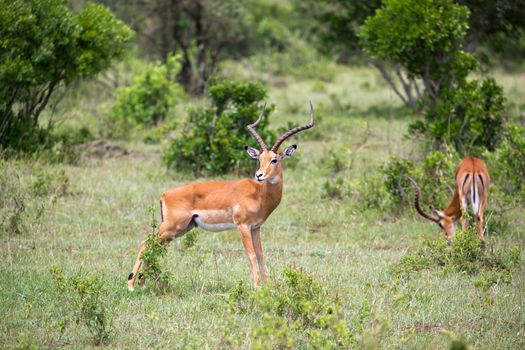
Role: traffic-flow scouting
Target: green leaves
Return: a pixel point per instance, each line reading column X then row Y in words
column 214, row 138
column 470, row 117
column 151, row 96
column 101, row 38
column 296, row 311
column 44, row 45
column 423, row 36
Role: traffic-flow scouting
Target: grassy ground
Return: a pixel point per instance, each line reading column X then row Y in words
column 97, row 224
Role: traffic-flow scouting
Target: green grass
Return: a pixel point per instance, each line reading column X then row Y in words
column 96, row 228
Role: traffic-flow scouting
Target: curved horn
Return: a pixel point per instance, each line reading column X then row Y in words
column 295, row 130
column 251, row 130
column 416, row 201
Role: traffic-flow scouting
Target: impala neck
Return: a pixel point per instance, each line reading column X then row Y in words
column 454, row 208
column 272, row 190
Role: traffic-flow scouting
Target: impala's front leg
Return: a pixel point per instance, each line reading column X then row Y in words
column 256, row 238
column 463, row 206
column 246, row 236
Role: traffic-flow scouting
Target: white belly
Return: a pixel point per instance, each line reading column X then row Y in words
column 214, row 220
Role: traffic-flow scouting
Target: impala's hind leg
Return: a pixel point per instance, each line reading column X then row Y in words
column 136, row 266
column 480, row 213
column 167, row 232
column 463, row 192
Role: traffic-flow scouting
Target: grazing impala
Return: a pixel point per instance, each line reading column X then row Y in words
column 472, row 183
column 218, row 205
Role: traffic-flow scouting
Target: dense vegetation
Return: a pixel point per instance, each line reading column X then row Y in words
column 105, row 106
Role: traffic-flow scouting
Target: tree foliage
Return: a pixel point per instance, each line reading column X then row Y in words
column 203, row 32
column 424, row 37
column 496, row 29
column 43, row 45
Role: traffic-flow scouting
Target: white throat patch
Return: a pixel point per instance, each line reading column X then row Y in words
column 273, row 180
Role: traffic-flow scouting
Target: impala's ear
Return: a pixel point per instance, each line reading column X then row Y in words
column 287, row 153
column 252, row 152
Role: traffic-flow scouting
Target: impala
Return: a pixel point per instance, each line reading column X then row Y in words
column 219, row 205
column 472, row 184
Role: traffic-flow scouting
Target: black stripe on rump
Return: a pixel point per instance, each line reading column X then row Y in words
column 481, row 179
column 465, row 181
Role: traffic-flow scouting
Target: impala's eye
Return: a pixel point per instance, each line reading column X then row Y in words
column 274, row 160
column 441, row 225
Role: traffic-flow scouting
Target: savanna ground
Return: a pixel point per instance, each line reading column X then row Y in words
column 95, row 225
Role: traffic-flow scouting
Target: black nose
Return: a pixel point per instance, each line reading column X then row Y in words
column 259, row 175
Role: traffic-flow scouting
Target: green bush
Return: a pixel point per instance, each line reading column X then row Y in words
column 466, row 254
column 296, row 311
column 151, row 96
column 45, row 46
column 396, row 182
column 367, row 192
column 507, row 163
column 86, row 295
column 213, row 139
column 434, row 175
column 335, row 164
column 153, row 256
column 470, row 117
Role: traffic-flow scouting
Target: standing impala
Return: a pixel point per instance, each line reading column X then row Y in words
column 472, row 183
column 219, row 205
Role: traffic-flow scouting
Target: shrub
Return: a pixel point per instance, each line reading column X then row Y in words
column 397, row 185
column 213, row 140
column 44, row 46
column 507, row 163
column 296, row 311
column 86, row 295
column 470, row 117
column 434, row 174
column 369, row 192
column 153, row 258
column 151, row 96
column 466, row 254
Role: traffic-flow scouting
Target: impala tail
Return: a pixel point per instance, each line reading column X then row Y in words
column 478, row 192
